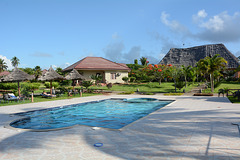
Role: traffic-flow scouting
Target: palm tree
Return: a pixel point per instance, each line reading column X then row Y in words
column 15, row 61
column 37, row 72
column 143, row 61
column 186, row 71
column 3, row 65
column 213, row 64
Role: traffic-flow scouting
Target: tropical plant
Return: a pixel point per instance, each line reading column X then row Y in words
column 179, row 85
column 87, row 84
column 15, row 61
column 135, row 61
column 125, row 79
column 28, row 70
column 97, row 78
column 59, row 71
column 3, row 65
column 186, row 72
column 175, row 73
column 193, row 74
column 160, row 72
column 144, row 61
column 213, row 64
column 37, row 72
column 54, row 84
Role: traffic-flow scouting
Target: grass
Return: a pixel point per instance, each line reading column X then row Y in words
column 173, row 94
column 41, row 99
column 154, row 87
column 228, row 85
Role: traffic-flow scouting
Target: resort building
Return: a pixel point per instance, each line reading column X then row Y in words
column 190, row 56
column 111, row 72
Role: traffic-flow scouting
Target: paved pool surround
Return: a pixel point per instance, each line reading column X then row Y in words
column 188, row 128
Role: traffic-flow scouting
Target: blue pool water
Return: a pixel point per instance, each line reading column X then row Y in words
column 111, row 113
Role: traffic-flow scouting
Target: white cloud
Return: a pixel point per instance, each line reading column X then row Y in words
column 199, row 16
column 8, row 62
column 202, row 13
column 174, row 25
column 215, row 24
column 220, row 28
column 217, row 28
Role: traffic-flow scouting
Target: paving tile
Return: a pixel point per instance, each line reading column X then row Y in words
column 189, row 128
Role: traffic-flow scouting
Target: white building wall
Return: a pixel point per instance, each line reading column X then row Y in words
column 118, row 79
column 106, row 75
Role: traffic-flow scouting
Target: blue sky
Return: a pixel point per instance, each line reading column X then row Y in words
column 61, row 32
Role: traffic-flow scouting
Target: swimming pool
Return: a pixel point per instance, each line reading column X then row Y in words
column 110, row 113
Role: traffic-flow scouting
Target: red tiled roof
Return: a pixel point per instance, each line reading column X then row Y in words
column 96, row 63
column 4, row 73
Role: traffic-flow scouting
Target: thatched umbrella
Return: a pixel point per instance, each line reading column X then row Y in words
column 51, row 75
column 74, row 75
column 17, row 75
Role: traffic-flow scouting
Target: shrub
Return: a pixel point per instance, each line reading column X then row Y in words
column 65, row 83
column 132, row 79
column 54, row 84
column 127, row 92
column 125, row 79
column 30, row 86
column 8, row 86
column 87, row 84
column 109, row 85
column 179, row 84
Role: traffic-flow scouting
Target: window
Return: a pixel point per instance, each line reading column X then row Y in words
column 113, row 75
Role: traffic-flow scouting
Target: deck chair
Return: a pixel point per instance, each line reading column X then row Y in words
column 10, row 97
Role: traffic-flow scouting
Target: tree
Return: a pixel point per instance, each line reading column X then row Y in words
column 135, row 61
column 3, row 65
column 186, row 72
column 59, row 71
column 28, row 70
column 175, row 73
column 160, row 72
column 193, row 74
column 15, row 61
column 144, row 61
column 213, row 64
column 37, row 72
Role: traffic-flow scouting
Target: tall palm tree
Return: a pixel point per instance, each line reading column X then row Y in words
column 37, row 72
column 3, row 65
column 213, row 64
column 186, row 71
column 15, row 61
column 143, row 61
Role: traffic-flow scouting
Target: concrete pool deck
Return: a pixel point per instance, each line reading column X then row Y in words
column 189, row 128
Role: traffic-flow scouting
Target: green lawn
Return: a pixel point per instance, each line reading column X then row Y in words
column 165, row 87
column 228, row 85
column 41, row 99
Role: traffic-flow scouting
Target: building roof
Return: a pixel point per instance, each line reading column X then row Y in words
column 190, row 56
column 96, row 63
column 4, row 73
